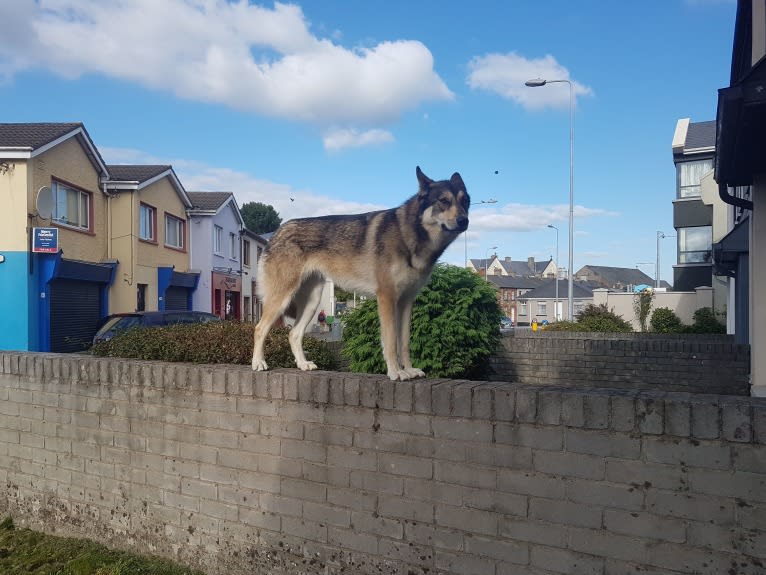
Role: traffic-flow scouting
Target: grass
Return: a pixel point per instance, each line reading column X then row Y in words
column 27, row 552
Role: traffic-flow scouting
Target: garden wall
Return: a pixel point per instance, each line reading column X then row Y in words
column 289, row 472
column 688, row 363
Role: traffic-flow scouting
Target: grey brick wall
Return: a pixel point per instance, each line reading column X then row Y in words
column 285, row 472
column 689, row 363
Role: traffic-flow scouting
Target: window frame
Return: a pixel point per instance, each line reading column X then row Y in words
column 707, row 252
column 153, row 212
column 171, row 219
column 56, row 187
column 233, row 246
column 692, row 190
column 246, row 252
column 217, row 240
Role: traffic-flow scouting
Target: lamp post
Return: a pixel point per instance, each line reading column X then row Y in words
column 465, row 233
column 556, row 305
column 536, row 83
column 486, row 277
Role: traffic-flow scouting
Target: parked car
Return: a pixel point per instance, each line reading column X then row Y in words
column 506, row 324
column 119, row 322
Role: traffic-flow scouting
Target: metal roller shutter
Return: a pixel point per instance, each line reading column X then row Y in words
column 75, row 312
column 176, row 298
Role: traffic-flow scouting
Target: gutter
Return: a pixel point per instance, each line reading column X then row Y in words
column 732, row 200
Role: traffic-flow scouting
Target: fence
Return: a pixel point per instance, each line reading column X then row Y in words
column 290, row 472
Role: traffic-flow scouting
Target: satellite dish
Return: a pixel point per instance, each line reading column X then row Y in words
column 44, row 202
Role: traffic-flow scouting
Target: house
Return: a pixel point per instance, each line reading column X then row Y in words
column 217, row 225
column 252, row 250
column 149, row 237
column 613, row 278
column 509, row 289
column 55, row 262
column 540, row 303
column 693, row 153
column 508, row 267
column 740, row 142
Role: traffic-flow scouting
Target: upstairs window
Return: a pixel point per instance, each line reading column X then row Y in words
column 233, row 246
column 689, row 176
column 174, row 232
column 245, row 253
column 147, row 225
column 695, row 245
column 218, row 239
column 71, row 207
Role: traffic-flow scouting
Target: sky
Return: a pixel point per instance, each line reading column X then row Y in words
column 326, row 107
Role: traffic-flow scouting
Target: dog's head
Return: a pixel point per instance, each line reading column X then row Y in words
column 444, row 203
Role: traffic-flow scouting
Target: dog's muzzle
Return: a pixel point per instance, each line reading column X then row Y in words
column 462, row 223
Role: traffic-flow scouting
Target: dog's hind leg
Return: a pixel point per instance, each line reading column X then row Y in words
column 307, row 302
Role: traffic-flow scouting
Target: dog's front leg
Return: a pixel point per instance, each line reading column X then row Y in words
column 389, row 334
column 405, row 312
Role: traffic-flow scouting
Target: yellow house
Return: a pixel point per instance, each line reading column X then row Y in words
column 149, row 238
column 55, row 269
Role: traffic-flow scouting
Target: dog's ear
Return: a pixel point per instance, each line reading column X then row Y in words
column 457, row 181
column 424, row 181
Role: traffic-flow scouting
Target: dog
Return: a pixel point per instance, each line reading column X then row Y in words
column 388, row 254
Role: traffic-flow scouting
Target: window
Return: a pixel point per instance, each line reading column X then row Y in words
column 695, row 245
column 246, row 252
column 233, row 245
column 542, row 308
column 71, row 207
column 174, row 232
column 218, row 239
column 522, row 308
column 689, row 176
column 147, row 224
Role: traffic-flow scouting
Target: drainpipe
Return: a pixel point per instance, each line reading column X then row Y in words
column 730, row 199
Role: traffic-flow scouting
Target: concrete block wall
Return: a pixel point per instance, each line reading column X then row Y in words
column 686, row 363
column 290, row 472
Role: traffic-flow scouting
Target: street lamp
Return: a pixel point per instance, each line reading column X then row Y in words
column 465, row 233
column 486, row 277
column 660, row 236
column 556, row 308
column 536, row 83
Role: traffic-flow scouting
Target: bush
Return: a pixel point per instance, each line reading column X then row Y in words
column 664, row 320
column 705, row 321
column 594, row 318
column 215, row 342
column 455, row 328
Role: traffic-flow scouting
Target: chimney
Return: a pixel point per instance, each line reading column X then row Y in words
column 508, row 259
column 531, row 263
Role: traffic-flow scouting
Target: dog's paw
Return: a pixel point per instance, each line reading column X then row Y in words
column 307, row 366
column 414, row 372
column 260, row 365
column 398, row 375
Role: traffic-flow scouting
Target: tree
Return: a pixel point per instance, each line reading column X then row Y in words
column 260, row 218
column 455, row 328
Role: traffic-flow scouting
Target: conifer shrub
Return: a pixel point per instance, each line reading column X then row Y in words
column 665, row 320
column 455, row 328
column 594, row 318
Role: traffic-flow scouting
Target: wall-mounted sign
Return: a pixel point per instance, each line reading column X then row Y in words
column 45, row 240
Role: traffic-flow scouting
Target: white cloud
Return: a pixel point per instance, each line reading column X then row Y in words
column 506, row 74
column 287, row 201
column 336, row 140
column 246, row 56
column 524, row 217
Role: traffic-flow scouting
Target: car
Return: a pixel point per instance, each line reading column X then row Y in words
column 119, row 322
column 506, row 324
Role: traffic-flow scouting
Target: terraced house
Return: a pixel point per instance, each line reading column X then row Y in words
column 80, row 239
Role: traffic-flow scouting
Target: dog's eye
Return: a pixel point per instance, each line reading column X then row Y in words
column 445, row 201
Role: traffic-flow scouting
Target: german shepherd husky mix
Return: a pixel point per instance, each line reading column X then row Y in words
column 388, row 254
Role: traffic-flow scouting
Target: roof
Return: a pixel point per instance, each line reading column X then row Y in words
column 27, row 140
column 613, row 276
column 138, row 176
column 515, row 282
column 136, row 173
column 209, row 201
column 547, row 290
column 700, row 135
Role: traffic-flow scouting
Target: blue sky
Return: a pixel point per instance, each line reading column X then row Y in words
column 327, row 107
